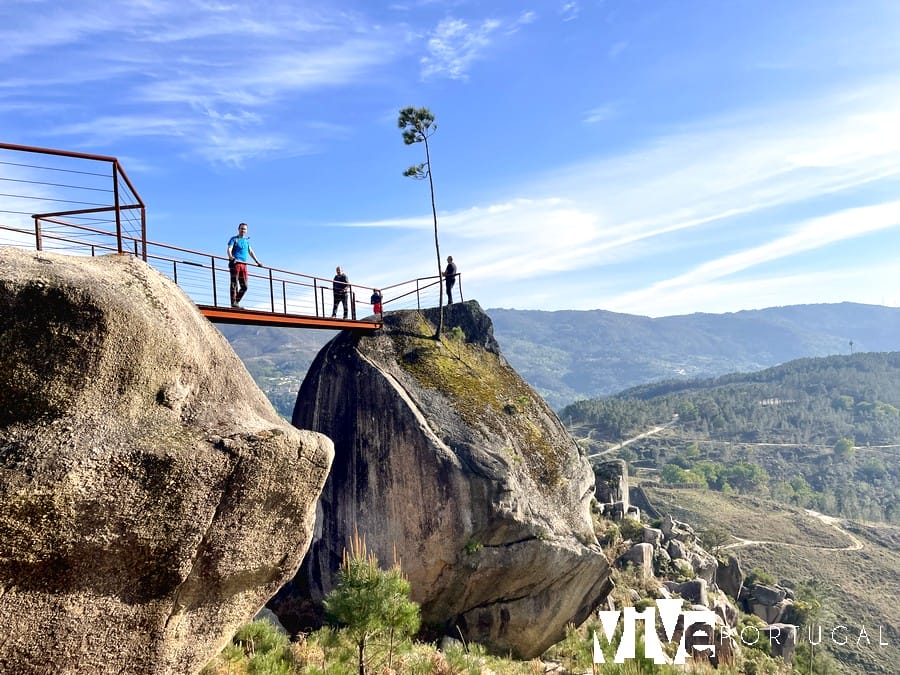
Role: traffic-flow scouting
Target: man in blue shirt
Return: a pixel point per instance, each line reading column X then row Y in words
column 239, row 254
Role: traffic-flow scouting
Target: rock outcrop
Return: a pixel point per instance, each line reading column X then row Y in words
column 151, row 500
column 448, row 460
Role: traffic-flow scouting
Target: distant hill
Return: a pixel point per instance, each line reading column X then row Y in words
column 277, row 358
column 569, row 355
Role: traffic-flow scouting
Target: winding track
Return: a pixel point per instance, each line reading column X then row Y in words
column 831, row 521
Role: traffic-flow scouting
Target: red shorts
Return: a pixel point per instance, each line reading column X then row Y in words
column 239, row 270
column 377, row 308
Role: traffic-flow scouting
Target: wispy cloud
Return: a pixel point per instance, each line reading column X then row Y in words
column 634, row 229
column 600, row 114
column 809, row 235
column 570, row 11
column 454, row 46
column 202, row 74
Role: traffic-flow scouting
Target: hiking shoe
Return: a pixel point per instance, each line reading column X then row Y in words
column 235, row 305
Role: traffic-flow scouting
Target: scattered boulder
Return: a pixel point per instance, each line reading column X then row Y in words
column 674, row 529
column 653, row 536
column 767, row 595
column 151, row 499
column 677, row 549
column 730, row 577
column 447, row 461
column 694, row 591
column 704, row 564
column 726, row 610
column 782, row 639
column 640, row 556
column 612, row 482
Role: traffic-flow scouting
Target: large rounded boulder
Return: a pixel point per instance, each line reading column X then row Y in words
column 151, row 500
column 448, row 462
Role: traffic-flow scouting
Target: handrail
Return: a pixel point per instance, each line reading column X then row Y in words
column 124, row 195
column 283, row 290
column 200, row 274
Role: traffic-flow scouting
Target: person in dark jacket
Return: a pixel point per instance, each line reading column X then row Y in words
column 450, row 278
column 340, row 287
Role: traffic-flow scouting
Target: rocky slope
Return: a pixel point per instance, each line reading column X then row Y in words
column 151, row 500
column 447, row 460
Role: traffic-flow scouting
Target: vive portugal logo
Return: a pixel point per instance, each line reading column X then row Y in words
column 669, row 611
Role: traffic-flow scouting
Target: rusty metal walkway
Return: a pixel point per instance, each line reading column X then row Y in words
column 250, row 317
column 92, row 208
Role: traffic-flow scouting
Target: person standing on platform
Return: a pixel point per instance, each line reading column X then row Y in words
column 376, row 302
column 340, row 287
column 239, row 254
column 450, row 278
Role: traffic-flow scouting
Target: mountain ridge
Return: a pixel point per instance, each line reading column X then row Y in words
column 573, row 354
column 568, row 355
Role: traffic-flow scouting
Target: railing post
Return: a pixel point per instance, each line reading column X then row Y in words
column 284, row 295
column 37, row 233
column 213, row 268
column 353, row 304
column 115, row 177
column 459, row 279
column 175, row 271
column 418, row 304
column 316, row 296
column 144, row 233
column 272, row 290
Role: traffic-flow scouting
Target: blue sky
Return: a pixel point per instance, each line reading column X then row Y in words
column 651, row 157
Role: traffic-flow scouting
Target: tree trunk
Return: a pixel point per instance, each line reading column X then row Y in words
column 437, row 248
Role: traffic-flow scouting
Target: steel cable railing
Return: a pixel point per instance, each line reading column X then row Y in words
column 74, row 220
column 43, row 184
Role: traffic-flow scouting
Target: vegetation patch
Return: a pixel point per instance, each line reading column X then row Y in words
column 486, row 393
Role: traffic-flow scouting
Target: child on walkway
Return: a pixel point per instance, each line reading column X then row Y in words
column 376, row 302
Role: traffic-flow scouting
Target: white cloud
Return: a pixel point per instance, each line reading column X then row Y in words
column 642, row 229
column 570, row 11
column 454, row 46
column 600, row 114
column 809, row 235
column 205, row 74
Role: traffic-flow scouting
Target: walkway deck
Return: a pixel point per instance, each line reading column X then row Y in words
column 249, row 317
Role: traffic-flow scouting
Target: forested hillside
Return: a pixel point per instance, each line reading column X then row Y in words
column 822, row 433
column 277, row 358
column 569, row 355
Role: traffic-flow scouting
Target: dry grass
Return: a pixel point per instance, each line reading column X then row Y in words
column 860, row 588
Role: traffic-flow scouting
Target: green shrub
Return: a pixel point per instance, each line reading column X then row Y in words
column 631, row 529
column 759, row 576
column 370, row 602
column 258, row 648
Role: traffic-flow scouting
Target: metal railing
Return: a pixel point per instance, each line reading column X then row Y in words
column 206, row 279
column 45, row 185
column 38, row 177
